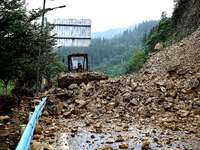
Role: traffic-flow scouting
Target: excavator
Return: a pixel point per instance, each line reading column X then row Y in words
column 78, row 62
column 78, row 71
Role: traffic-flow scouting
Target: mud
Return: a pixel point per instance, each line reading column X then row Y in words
column 81, row 137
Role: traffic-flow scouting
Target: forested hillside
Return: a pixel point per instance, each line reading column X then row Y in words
column 184, row 21
column 112, row 55
column 186, row 17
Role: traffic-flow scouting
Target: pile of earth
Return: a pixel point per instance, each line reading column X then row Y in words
column 80, row 77
column 165, row 93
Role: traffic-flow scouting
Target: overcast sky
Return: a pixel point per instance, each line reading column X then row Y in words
column 107, row 14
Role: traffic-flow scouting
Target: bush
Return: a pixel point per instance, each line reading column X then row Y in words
column 7, row 91
column 137, row 60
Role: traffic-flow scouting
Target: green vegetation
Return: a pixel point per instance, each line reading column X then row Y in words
column 160, row 33
column 9, row 88
column 21, row 38
column 136, row 61
column 184, row 21
column 185, row 18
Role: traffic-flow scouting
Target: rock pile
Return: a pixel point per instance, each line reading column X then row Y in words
column 12, row 122
column 78, row 78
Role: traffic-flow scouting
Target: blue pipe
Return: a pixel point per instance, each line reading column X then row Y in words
column 27, row 135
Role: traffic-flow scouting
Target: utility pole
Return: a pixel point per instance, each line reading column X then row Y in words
column 39, row 52
column 40, row 49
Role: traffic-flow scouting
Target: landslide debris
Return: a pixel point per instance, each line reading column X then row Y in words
column 81, row 77
column 166, row 92
column 13, row 118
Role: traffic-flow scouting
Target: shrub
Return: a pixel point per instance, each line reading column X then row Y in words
column 137, row 60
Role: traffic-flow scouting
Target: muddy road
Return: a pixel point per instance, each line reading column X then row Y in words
column 71, row 134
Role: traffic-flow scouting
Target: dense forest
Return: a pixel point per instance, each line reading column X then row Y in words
column 112, row 55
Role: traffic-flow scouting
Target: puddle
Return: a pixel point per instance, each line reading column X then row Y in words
column 159, row 140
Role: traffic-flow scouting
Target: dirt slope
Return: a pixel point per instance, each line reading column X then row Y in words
column 183, row 55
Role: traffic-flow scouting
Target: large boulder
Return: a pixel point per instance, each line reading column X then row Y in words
column 158, row 47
